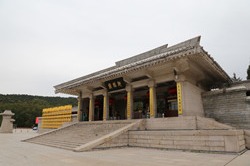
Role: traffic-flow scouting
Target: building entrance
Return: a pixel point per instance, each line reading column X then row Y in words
column 98, row 109
column 84, row 110
column 141, row 103
column 167, row 99
column 117, row 105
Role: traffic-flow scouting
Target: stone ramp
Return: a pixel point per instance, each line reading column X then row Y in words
column 108, row 137
column 79, row 134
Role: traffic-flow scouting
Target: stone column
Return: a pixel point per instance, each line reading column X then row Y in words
column 91, row 107
column 152, row 99
column 130, row 101
column 7, row 122
column 105, row 106
column 80, row 104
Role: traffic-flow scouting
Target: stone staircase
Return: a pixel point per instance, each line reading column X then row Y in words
column 182, row 133
column 78, row 134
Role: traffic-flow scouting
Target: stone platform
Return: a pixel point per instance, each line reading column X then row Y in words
column 13, row 152
column 180, row 133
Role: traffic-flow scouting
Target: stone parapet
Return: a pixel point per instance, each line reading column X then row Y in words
column 225, row 90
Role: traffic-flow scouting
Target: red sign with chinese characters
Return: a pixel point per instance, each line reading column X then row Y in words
column 37, row 120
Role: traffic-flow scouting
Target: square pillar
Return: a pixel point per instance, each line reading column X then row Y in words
column 91, row 107
column 152, row 99
column 80, row 103
column 189, row 99
column 105, row 106
column 130, row 101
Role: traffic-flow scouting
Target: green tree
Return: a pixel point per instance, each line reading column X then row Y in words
column 248, row 73
column 235, row 78
column 27, row 107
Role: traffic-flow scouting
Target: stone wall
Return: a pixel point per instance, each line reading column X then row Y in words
column 183, row 133
column 229, row 106
column 198, row 140
column 201, row 140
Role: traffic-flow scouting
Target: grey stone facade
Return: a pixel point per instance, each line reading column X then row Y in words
column 230, row 106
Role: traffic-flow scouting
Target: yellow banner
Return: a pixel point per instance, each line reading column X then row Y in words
column 151, row 101
column 179, row 98
column 128, row 105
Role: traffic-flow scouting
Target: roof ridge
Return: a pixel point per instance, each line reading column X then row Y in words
column 141, row 56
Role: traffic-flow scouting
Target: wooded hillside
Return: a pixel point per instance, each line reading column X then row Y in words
column 27, row 107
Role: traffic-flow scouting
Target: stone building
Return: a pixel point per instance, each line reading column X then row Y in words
column 163, row 82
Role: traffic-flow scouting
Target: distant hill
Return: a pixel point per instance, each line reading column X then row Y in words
column 27, row 107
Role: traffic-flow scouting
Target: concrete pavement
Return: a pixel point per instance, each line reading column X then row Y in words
column 13, row 152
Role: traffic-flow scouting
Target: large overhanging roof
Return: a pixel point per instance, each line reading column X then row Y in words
column 150, row 58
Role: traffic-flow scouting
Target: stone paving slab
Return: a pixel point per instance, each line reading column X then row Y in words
column 13, row 152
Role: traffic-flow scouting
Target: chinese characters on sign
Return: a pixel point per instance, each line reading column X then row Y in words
column 115, row 84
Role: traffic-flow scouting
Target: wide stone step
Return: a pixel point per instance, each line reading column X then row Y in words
column 78, row 134
column 62, row 145
column 55, row 145
column 60, row 141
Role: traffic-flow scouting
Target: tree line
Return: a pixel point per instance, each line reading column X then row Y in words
column 27, row 107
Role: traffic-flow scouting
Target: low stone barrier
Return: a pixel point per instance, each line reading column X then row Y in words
column 106, row 140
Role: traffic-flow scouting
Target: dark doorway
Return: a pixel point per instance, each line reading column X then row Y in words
column 167, row 99
column 141, row 102
column 98, row 108
column 117, row 105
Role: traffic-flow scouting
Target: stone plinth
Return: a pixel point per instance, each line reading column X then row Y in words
column 247, row 138
column 7, row 122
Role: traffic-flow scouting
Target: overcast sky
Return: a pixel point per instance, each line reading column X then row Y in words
column 47, row 42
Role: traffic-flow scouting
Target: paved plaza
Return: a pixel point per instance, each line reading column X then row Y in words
column 13, row 152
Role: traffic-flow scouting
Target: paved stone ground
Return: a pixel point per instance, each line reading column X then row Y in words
column 13, row 152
